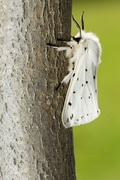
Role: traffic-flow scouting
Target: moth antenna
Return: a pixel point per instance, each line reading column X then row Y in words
column 82, row 20
column 77, row 25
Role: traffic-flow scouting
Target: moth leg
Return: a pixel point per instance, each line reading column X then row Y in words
column 62, row 48
column 52, row 45
column 59, row 48
column 66, row 80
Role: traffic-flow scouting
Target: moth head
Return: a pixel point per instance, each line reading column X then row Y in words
column 77, row 39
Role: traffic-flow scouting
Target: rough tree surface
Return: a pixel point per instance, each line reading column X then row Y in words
column 34, row 145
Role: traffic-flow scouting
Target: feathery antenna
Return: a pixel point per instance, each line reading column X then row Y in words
column 77, row 25
column 82, row 20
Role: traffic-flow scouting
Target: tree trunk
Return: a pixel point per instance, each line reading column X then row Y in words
column 34, row 145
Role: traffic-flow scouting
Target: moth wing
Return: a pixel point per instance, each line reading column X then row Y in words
column 81, row 103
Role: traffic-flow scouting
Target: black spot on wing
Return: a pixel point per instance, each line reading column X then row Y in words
column 70, row 104
column 93, row 77
column 86, row 82
column 73, row 92
column 73, row 67
column 73, row 74
column 67, row 120
column 71, row 117
column 86, row 70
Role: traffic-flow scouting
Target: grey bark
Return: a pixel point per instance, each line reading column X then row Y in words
column 34, row 145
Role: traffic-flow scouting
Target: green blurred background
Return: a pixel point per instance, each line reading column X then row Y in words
column 97, row 144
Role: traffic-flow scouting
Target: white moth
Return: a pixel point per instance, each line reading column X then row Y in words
column 81, row 103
